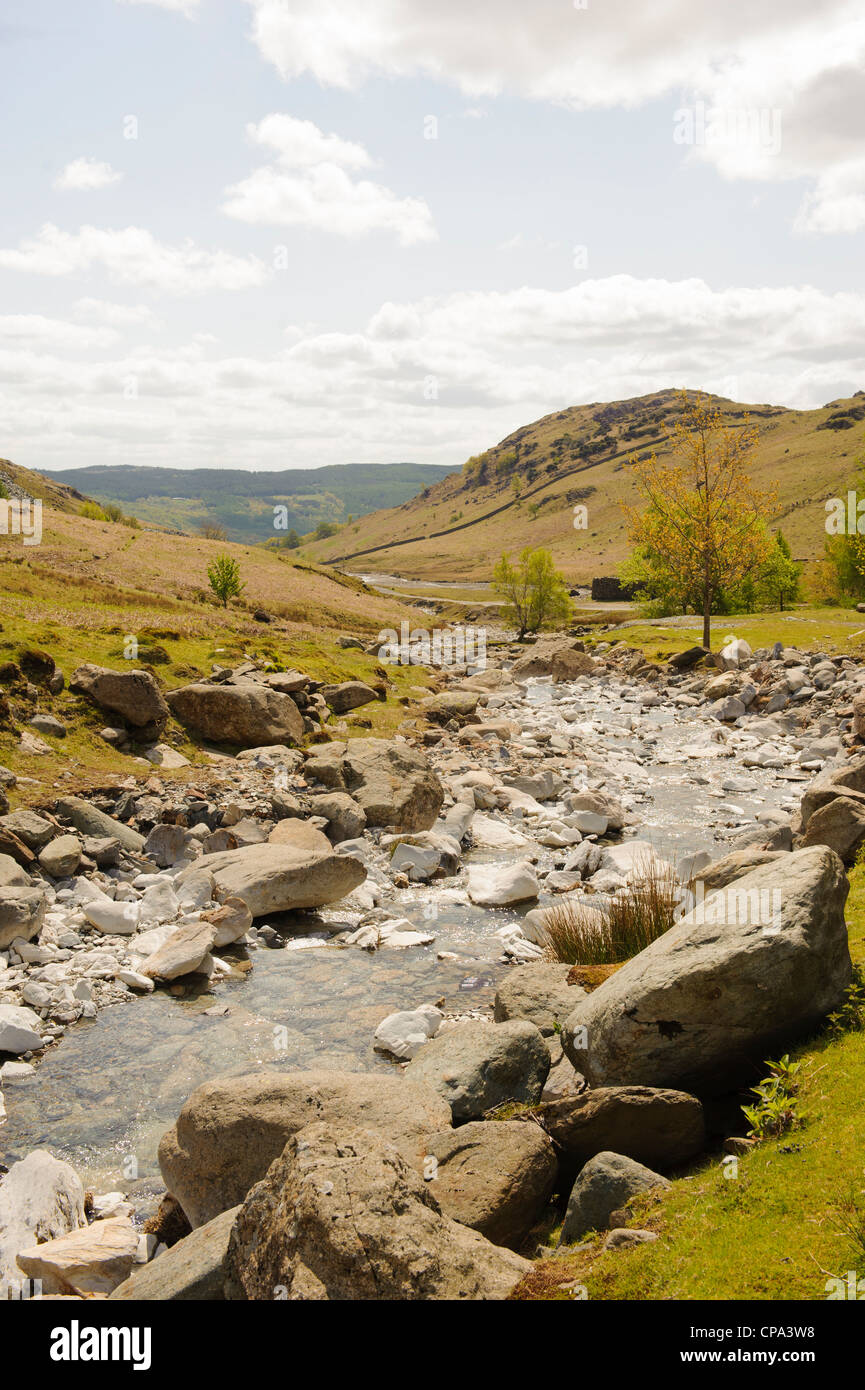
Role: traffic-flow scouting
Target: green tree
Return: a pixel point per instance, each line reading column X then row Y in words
column 224, row 576
column 778, row 580
column 534, row 592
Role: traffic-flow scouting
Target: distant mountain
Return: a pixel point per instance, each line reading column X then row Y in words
column 243, row 503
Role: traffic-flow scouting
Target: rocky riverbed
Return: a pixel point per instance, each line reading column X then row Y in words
column 331, row 912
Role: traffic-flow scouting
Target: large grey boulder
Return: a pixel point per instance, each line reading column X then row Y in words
column 60, row 858
column 91, row 821
column 185, row 952
column 244, row 713
column 33, row 830
column 230, row 1130
column 193, row 1270
column 840, row 824
column 732, row 866
column 659, row 1127
column 348, row 695
column 539, row 992
column 496, row 1177
column 346, row 819
column 393, row 784
column 740, row 977
column 281, row 878
column 341, row 1216
column 477, row 1066
column 41, row 1198
column 133, row 694
column 12, row 875
column 606, row 1183
column 22, row 912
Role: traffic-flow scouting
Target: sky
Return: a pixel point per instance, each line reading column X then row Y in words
column 285, row 233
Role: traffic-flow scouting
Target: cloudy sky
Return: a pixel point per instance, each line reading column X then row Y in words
column 283, row 233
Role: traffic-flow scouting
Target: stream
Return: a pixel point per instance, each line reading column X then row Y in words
column 106, row 1092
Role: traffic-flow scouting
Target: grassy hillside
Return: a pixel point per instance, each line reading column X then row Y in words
column 242, row 502
column 582, row 456
column 91, row 584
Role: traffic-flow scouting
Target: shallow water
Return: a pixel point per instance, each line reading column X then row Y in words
column 106, row 1092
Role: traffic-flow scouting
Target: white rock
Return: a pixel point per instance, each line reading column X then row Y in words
column 395, row 934
column 497, row 885
column 19, row 1029
column 140, row 983
column 114, row 919
column 40, row 1198
column 12, row 1072
column 404, row 1034
column 489, row 833
column 160, row 903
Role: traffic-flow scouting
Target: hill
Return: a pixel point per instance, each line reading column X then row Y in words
column 90, row 586
column 242, row 503
column 582, row 456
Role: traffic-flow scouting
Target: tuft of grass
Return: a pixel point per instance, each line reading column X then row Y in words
column 576, row 934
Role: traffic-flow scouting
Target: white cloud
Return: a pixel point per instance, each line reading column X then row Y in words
column 301, row 145
column 308, row 186
column 114, row 315
column 133, row 256
column 83, row 175
column 35, row 330
column 746, row 61
column 499, row 360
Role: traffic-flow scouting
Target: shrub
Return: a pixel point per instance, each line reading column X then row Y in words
column 575, row 934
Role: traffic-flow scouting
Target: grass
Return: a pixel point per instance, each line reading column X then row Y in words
column 793, row 1217
column 575, row 933
column 836, row 630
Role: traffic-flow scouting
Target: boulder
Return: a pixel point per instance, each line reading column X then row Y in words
column 832, row 782
column 346, row 819
column 41, row 1197
column 606, row 1183
column 840, row 824
column 91, row 821
column 733, row 866
column 734, row 981
column 19, row 1029
column 495, row 1177
column 22, row 912
column 60, row 858
column 231, row 920
column 538, row 992
column 477, row 1066
column 497, row 885
column 135, row 695
column 340, row 1216
column 244, row 713
column 347, row 695
column 92, row 1260
column 601, row 804
column 654, row 1126
column 192, row 1270
column 281, row 878
column 559, row 657
column 230, row 1130
column 392, row 783
column 12, row 875
column 168, row 844
column 300, row 834
column 112, row 918
column 32, row 830
column 186, row 951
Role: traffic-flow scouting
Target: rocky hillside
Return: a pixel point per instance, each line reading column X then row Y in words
column 523, row 490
